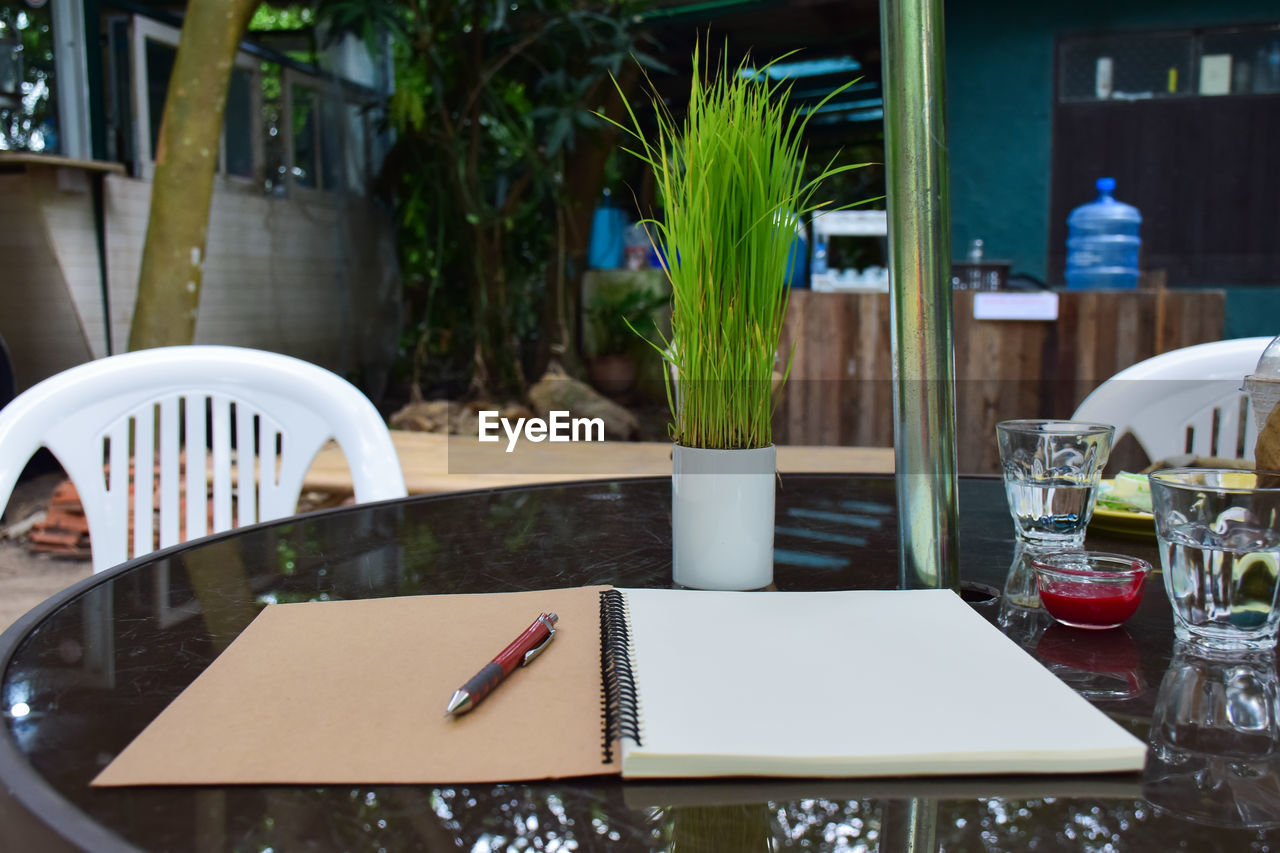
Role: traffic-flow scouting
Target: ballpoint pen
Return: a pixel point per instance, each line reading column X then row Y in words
column 520, row 652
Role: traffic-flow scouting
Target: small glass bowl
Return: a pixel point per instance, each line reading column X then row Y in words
column 1090, row 589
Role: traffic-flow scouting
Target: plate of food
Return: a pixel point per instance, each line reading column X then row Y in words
column 1124, row 506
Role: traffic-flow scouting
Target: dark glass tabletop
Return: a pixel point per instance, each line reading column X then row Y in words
column 85, row 672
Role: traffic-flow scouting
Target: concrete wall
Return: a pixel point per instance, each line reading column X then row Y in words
column 1000, row 60
column 314, row 276
column 50, row 288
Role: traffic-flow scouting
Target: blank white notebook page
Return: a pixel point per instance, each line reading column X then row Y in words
column 859, row 683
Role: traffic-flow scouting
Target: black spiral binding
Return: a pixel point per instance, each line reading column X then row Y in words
column 619, row 708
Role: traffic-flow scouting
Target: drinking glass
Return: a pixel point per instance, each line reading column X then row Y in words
column 1051, row 474
column 1219, row 535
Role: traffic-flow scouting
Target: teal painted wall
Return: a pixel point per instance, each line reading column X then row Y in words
column 1000, row 106
column 1251, row 311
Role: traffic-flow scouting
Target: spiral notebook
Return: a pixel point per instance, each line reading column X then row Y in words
column 645, row 683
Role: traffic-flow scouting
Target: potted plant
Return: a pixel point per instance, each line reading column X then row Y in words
column 614, row 314
column 731, row 177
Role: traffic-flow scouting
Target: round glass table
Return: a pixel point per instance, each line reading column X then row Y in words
column 86, row 671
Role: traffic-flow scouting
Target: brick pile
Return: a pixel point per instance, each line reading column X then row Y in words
column 64, row 531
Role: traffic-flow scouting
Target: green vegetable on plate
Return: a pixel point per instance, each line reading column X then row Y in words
column 1126, row 493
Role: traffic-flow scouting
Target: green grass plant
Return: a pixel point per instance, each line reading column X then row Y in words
column 731, row 180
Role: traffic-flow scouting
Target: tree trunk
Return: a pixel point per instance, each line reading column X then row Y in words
column 498, row 371
column 186, row 159
column 583, row 182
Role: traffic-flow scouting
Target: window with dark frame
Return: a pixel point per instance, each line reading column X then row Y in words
column 284, row 128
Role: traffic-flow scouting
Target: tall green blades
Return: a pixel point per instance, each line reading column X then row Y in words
column 731, row 178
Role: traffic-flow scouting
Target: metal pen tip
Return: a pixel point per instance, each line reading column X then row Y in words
column 459, row 703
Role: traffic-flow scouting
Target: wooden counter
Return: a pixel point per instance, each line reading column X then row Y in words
column 435, row 463
column 840, row 391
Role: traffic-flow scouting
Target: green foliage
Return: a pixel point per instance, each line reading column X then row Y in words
column 732, row 177
column 618, row 314
column 490, row 98
column 269, row 18
column 369, row 20
column 865, row 182
column 32, row 125
column 407, row 110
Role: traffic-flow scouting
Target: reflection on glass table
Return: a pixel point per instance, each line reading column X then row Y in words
column 1215, row 753
column 1099, row 665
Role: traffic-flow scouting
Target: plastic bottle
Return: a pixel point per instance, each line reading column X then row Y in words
column 820, row 258
column 967, row 276
column 1103, row 242
column 604, row 250
column 636, row 248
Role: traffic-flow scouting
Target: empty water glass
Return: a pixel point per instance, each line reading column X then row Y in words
column 1051, row 474
column 1219, row 535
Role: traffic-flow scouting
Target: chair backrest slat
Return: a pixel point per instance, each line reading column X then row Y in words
column 246, row 466
column 144, row 427
column 115, row 498
column 221, row 418
column 171, row 491
column 196, row 410
column 269, row 492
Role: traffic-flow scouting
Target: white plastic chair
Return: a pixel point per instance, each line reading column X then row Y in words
column 269, row 415
column 1185, row 401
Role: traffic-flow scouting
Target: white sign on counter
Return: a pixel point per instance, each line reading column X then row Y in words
column 1015, row 306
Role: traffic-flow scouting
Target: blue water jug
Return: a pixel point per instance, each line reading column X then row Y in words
column 604, row 249
column 1103, row 242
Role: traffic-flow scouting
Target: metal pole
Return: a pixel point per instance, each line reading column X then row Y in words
column 910, row 826
column 920, row 267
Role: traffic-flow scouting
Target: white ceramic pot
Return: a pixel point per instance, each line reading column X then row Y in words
column 722, row 517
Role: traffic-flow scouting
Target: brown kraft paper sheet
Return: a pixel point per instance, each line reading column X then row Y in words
column 355, row 691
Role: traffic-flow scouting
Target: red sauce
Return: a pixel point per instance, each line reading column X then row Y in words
column 1091, row 605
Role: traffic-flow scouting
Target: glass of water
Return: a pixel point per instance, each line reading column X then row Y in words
column 1219, row 535
column 1051, row 474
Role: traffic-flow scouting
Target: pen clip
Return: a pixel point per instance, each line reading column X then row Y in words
column 537, row 650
